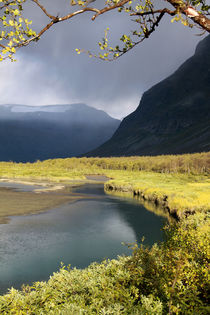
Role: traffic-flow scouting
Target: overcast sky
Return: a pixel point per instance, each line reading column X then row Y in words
column 50, row 71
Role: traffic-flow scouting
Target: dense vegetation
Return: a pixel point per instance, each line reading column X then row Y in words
column 198, row 163
column 169, row 278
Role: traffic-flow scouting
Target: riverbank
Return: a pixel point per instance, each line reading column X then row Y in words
column 42, row 196
column 169, row 278
column 178, row 194
column 13, row 203
column 176, row 186
column 30, row 196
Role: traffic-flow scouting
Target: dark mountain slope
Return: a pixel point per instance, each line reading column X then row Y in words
column 173, row 116
column 29, row 133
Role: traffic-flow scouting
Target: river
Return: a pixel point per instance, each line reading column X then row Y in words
column 32, row 247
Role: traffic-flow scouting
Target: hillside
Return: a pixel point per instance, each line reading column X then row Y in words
column 30, row 133
column 172, row 117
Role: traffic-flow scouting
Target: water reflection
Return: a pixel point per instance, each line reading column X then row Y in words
column 32, row 247
column 19, row 186
column 143, row 223
column 143, row 218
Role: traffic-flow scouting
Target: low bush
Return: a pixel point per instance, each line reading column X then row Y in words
column 169, row 278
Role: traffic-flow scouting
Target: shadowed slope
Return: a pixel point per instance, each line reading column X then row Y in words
column 173, row 116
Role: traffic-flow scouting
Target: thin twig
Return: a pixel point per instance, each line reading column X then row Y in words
column 109, row 8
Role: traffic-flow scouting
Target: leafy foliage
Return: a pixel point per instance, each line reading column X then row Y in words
column 16, row 31
column 147, row 15
column 169, row 278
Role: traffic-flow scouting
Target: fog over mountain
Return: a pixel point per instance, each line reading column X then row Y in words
column 51, row 72
column 30, row 133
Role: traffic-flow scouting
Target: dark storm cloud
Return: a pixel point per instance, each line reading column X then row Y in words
column 50, row 72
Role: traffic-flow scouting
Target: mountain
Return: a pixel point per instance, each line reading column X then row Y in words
column 172, row 117
column 30, row 133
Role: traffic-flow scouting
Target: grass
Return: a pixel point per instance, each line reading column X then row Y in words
column 169, row 278
column 180, row 183
column 181, row 193
column 75, row 168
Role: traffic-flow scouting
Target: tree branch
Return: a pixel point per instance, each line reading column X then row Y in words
column 44, row 10
column 191, row 13
column 54, row 21
column 6, row 5
column 155, row 24
column 109, row 8
column 148, row 19
column 198, row 19
column 146, row 34
column 165, row 10
column 69, row 16
column 202, row 21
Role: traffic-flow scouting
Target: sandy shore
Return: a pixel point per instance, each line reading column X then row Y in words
column 49, row 196
column 46, row 186
column 98, row 178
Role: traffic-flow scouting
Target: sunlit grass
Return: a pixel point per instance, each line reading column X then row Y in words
column 184, row 192
column 169, row 278
column 183, row 179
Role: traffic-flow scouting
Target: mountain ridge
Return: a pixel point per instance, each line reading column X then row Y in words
column 173, row 116
column 42, row 133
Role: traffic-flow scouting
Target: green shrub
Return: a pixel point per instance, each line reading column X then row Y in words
column 169, row 278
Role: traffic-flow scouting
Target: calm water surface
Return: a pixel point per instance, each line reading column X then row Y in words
column 20, row 187
column 33, row 246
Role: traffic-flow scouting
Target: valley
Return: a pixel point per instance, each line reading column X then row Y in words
column 75, row 183
column 169, row 186
column 31, row 133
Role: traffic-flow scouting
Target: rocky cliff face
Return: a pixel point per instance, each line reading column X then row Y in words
column 173, row 116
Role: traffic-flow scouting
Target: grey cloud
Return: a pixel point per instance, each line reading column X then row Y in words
column 50, row 72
